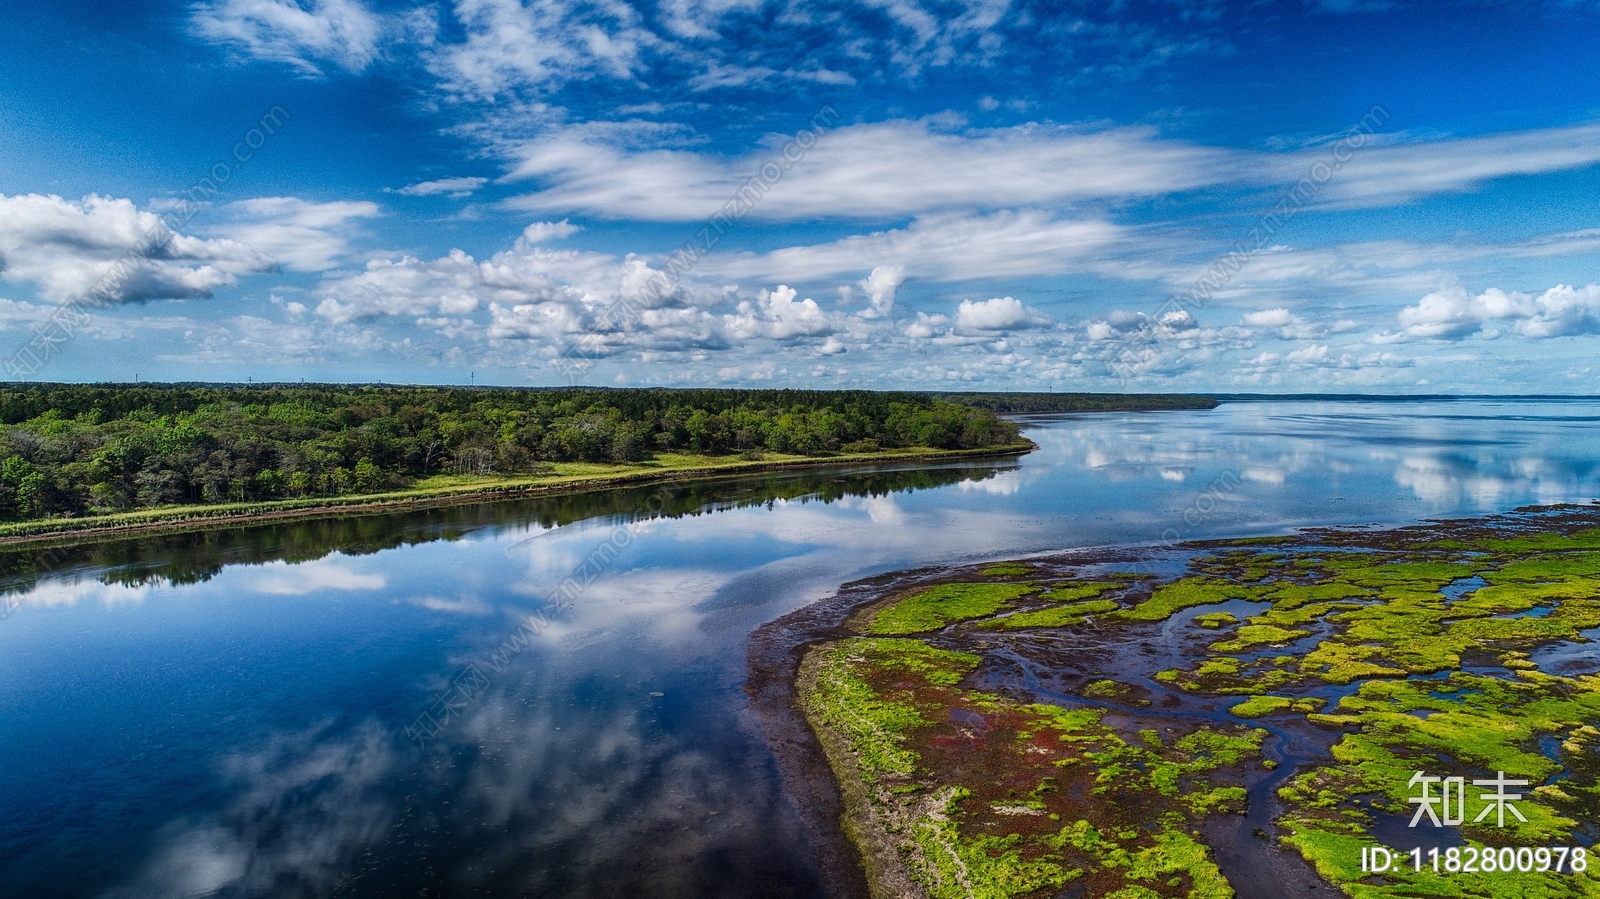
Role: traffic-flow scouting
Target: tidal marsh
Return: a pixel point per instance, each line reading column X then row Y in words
column 1078, row 729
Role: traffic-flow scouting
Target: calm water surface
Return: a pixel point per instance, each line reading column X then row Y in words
column 224, row 714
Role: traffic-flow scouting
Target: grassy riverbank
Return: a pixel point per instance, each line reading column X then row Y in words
column 451, row 489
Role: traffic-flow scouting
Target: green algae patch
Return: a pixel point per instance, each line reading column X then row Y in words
column 937, row 606
column 1262, row 706
column 1259, row 706
column 1252, row 635
column 1080, row 591
column 1182, row 594
column 1215, row 620
column 1587, row 539
column 1057, row 616
column 1008, row 569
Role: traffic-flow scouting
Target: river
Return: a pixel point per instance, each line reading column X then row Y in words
column 241, row 712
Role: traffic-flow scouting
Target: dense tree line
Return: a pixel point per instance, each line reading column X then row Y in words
column 87, row 449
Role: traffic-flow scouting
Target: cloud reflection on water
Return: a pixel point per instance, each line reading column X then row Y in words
column 305, row 804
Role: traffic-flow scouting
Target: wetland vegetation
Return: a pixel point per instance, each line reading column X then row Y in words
column 1177, row 723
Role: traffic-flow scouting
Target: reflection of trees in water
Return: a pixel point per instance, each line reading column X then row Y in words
column 189, row 558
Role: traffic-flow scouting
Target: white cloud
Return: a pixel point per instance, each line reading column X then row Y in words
column 539, row 232
column 880, row 287
column 1451, row 313
column 874, row 171
column 342, row 32
column 455, row 187
column 551, row 298
column 1120, row 323
column 300, row 235
column 509, row 46
column 66, row 247
column 662, row 329
column 949, row 248
column 1268, row 318
column 901, row 168
column 925, row 326
column 1310, row 355
column 777, row 315
column 571, row 284
column 1395, row 173
column 997, row 314
column 1291, row 327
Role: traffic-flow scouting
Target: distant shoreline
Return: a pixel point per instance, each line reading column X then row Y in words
column 180, row 519
column 1401, row 397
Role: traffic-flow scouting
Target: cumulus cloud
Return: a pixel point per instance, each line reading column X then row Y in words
column 300, row 235
column 662, row 329
column 778, row 315
column 558, row 288
column 1315, row 354
column 1287, row 326
column 880, row 287
column 539, row 232
column 975, row 323
column 455, row 187
column 1451, row 313
column 554, row 299
column 1268, row 318
column 1121, row 323
column 342, row 32
column 925, row 325
column 997, row 314
column 66, row 247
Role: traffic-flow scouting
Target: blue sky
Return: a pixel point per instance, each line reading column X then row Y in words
column 995, row 195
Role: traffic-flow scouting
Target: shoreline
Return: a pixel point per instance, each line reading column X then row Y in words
column 836, row 811
column 69, row 531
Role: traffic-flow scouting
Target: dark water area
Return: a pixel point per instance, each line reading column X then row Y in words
column 226, row 713
column 1570, row 658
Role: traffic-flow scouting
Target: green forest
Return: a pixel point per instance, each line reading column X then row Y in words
column 73, row 450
